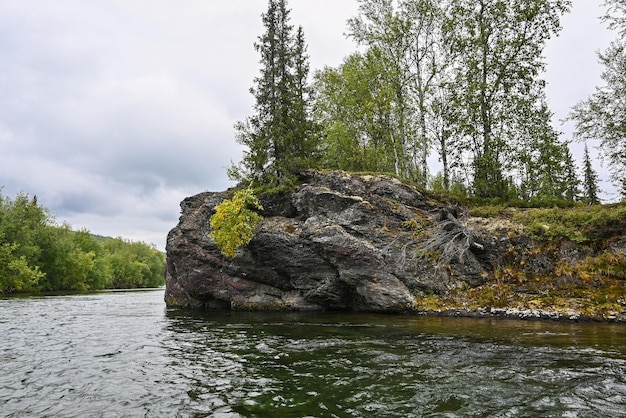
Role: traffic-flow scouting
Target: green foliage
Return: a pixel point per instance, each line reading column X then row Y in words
column 16, row 275
column 494, row 208
column 461, row 77
column 579, row 224
column 496, row 295
column 342, row 116
column 355, row 106
column 413, row 225
column 280, row 136
column 602, row 116
column 234, row 222
column 288, row 184
column 377, row 108
column 21, row 221
column 547, row 169
column 66, row 264
column 495, row 86
column 432, row 303
column 133, row 264
column 445, row 188
column 616, row 15
column 38, row 255
column 607, row 264
column 590, row 181
column 488, row 211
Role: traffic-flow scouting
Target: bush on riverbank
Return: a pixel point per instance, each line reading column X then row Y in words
column 36, row 254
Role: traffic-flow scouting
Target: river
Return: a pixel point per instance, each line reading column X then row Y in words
column 124, row 354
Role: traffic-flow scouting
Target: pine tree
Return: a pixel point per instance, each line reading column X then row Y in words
column 546, row 166
column 280, row 135
column 590, row 180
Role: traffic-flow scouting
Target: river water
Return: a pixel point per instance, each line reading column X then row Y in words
column 123, row 354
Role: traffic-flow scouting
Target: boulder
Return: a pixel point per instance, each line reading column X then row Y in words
column 338, row 241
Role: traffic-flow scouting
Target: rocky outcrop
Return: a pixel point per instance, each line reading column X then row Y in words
column 338, row 241
column 373, row 243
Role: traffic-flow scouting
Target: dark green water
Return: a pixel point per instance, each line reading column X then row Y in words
column 125, row 355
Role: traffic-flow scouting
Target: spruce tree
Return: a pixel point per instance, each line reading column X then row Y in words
column 280, row 135
column 571, row 182
column 590, row 180
column 602, row 116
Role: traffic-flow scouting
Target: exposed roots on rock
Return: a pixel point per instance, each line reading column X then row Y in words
column 451, row 240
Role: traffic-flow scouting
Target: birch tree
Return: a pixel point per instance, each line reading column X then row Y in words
column 498, row 47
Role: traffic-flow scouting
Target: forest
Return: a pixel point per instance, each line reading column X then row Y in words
column 445, row 94
column 39, row 255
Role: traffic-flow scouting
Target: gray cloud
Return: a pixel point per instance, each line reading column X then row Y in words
column 113, row 111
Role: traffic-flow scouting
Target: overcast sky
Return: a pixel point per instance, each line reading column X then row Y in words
column 113, row 111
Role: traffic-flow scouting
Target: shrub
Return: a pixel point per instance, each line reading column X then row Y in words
column 234, row 222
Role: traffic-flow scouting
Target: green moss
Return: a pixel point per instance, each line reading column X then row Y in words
column 594, row 287
column 415, row 225
column 607, row 264
column 433, row 303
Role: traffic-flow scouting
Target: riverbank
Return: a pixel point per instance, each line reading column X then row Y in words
column 371, row 243
column 559, row 264
column 526, row 314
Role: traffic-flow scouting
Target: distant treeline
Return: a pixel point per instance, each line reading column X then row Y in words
column 37, row 254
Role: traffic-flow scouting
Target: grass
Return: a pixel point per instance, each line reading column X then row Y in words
column 581, row 224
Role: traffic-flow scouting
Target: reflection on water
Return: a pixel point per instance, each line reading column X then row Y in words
column 124, row 354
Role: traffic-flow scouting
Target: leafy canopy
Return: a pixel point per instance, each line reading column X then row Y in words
column 462, row 77
column 602, row 116
column 36, row 254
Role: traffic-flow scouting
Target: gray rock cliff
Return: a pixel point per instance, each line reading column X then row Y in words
column 338, row 241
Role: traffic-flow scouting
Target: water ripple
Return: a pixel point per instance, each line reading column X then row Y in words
column 124, row 355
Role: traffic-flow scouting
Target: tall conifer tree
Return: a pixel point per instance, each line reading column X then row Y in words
column 590, row 180
column 602, row 116
column 280, row 134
